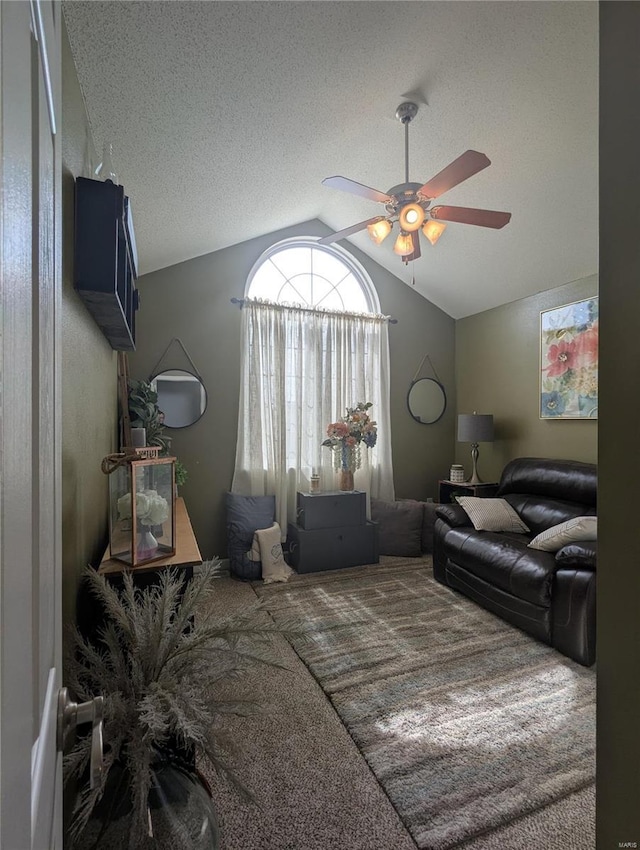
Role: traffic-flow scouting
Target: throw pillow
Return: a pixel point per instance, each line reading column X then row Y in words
column 571, row 531
column 244, row 515
column 274, row 567
column 428, row 523
column 492, row 515
column 399, row 527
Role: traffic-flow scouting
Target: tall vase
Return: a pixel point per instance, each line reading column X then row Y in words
column 180, row 813
column 346, row 479
column 347, row 467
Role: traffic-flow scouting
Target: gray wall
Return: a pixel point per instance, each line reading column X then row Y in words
column 88, row 373
column 191, row 301
column 618, row 754
column 497, row 371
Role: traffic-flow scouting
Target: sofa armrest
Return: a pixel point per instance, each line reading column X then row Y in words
column 580, row 555
column 573, row 614
column 453, row 515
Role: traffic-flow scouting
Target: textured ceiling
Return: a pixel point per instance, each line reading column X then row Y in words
column 225, row 117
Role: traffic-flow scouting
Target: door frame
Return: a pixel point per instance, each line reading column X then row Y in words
column 30, row 423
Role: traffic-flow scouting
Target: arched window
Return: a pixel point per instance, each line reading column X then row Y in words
column 299, row 271
column 313, row 344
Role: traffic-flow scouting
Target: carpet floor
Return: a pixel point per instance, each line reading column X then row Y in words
column 444, row 704
column 466, row 722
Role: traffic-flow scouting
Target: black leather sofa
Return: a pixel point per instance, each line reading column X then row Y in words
column 551, row 595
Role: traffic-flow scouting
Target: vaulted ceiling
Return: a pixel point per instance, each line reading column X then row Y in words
column 226, row 116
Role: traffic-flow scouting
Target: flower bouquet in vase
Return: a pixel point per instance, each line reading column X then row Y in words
column 345, row 438
column 151, row 510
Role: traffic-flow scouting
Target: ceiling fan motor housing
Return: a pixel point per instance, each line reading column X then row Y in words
column 403, row 193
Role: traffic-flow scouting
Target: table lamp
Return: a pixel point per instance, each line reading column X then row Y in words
column 475, row 428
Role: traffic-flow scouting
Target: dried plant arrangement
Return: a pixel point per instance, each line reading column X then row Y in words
column 157, row 661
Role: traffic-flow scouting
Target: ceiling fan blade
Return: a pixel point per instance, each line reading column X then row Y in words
column 356, row 189
column 342, row 234
column 468, row 215
column 416, row 253
column 465, row 166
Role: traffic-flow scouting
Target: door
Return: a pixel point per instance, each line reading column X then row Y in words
column 30, row 456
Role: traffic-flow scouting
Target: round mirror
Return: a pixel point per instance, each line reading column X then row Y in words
column 182, row 398
column 426, row 400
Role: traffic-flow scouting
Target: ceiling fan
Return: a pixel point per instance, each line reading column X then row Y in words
column 410, row 203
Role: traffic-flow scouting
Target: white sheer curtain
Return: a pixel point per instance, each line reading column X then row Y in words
column 301, row 368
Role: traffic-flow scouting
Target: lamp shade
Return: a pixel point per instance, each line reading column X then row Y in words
column 379, row 230
column 433, row 230
column 404, row 245
column 475, row 428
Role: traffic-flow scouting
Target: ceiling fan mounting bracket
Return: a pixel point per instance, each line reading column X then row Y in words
column 407, row 111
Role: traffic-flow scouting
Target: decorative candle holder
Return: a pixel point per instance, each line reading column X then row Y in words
column 456, row 473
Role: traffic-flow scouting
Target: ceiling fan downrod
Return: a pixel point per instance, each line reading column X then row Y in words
column 405, row 113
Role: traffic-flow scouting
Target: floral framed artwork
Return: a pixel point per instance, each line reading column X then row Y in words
column 569, row 361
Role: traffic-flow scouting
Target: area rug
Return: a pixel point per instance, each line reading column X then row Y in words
column 466, row 722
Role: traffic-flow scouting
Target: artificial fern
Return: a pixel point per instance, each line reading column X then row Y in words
column 157, row 661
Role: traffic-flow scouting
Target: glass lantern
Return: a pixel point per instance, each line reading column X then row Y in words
column 142, row 511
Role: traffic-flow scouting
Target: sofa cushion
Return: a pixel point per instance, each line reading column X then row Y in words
column 550, row 478
column 399, row 527
column 542, row 513
column 504, row 560
column 571, row 531
column 492, row 514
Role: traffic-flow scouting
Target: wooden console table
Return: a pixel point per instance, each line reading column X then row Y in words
column 187, row 552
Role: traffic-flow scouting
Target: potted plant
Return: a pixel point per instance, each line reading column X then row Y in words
column 157, row 660
column 145, row 413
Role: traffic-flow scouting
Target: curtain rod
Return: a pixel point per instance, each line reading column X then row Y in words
column 240, row 303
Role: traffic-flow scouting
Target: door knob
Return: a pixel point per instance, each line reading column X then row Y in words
column 71, row 715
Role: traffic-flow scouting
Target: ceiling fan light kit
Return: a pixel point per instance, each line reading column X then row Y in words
column 410, row 203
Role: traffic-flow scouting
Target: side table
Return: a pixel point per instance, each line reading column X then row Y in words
column 448, row 489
